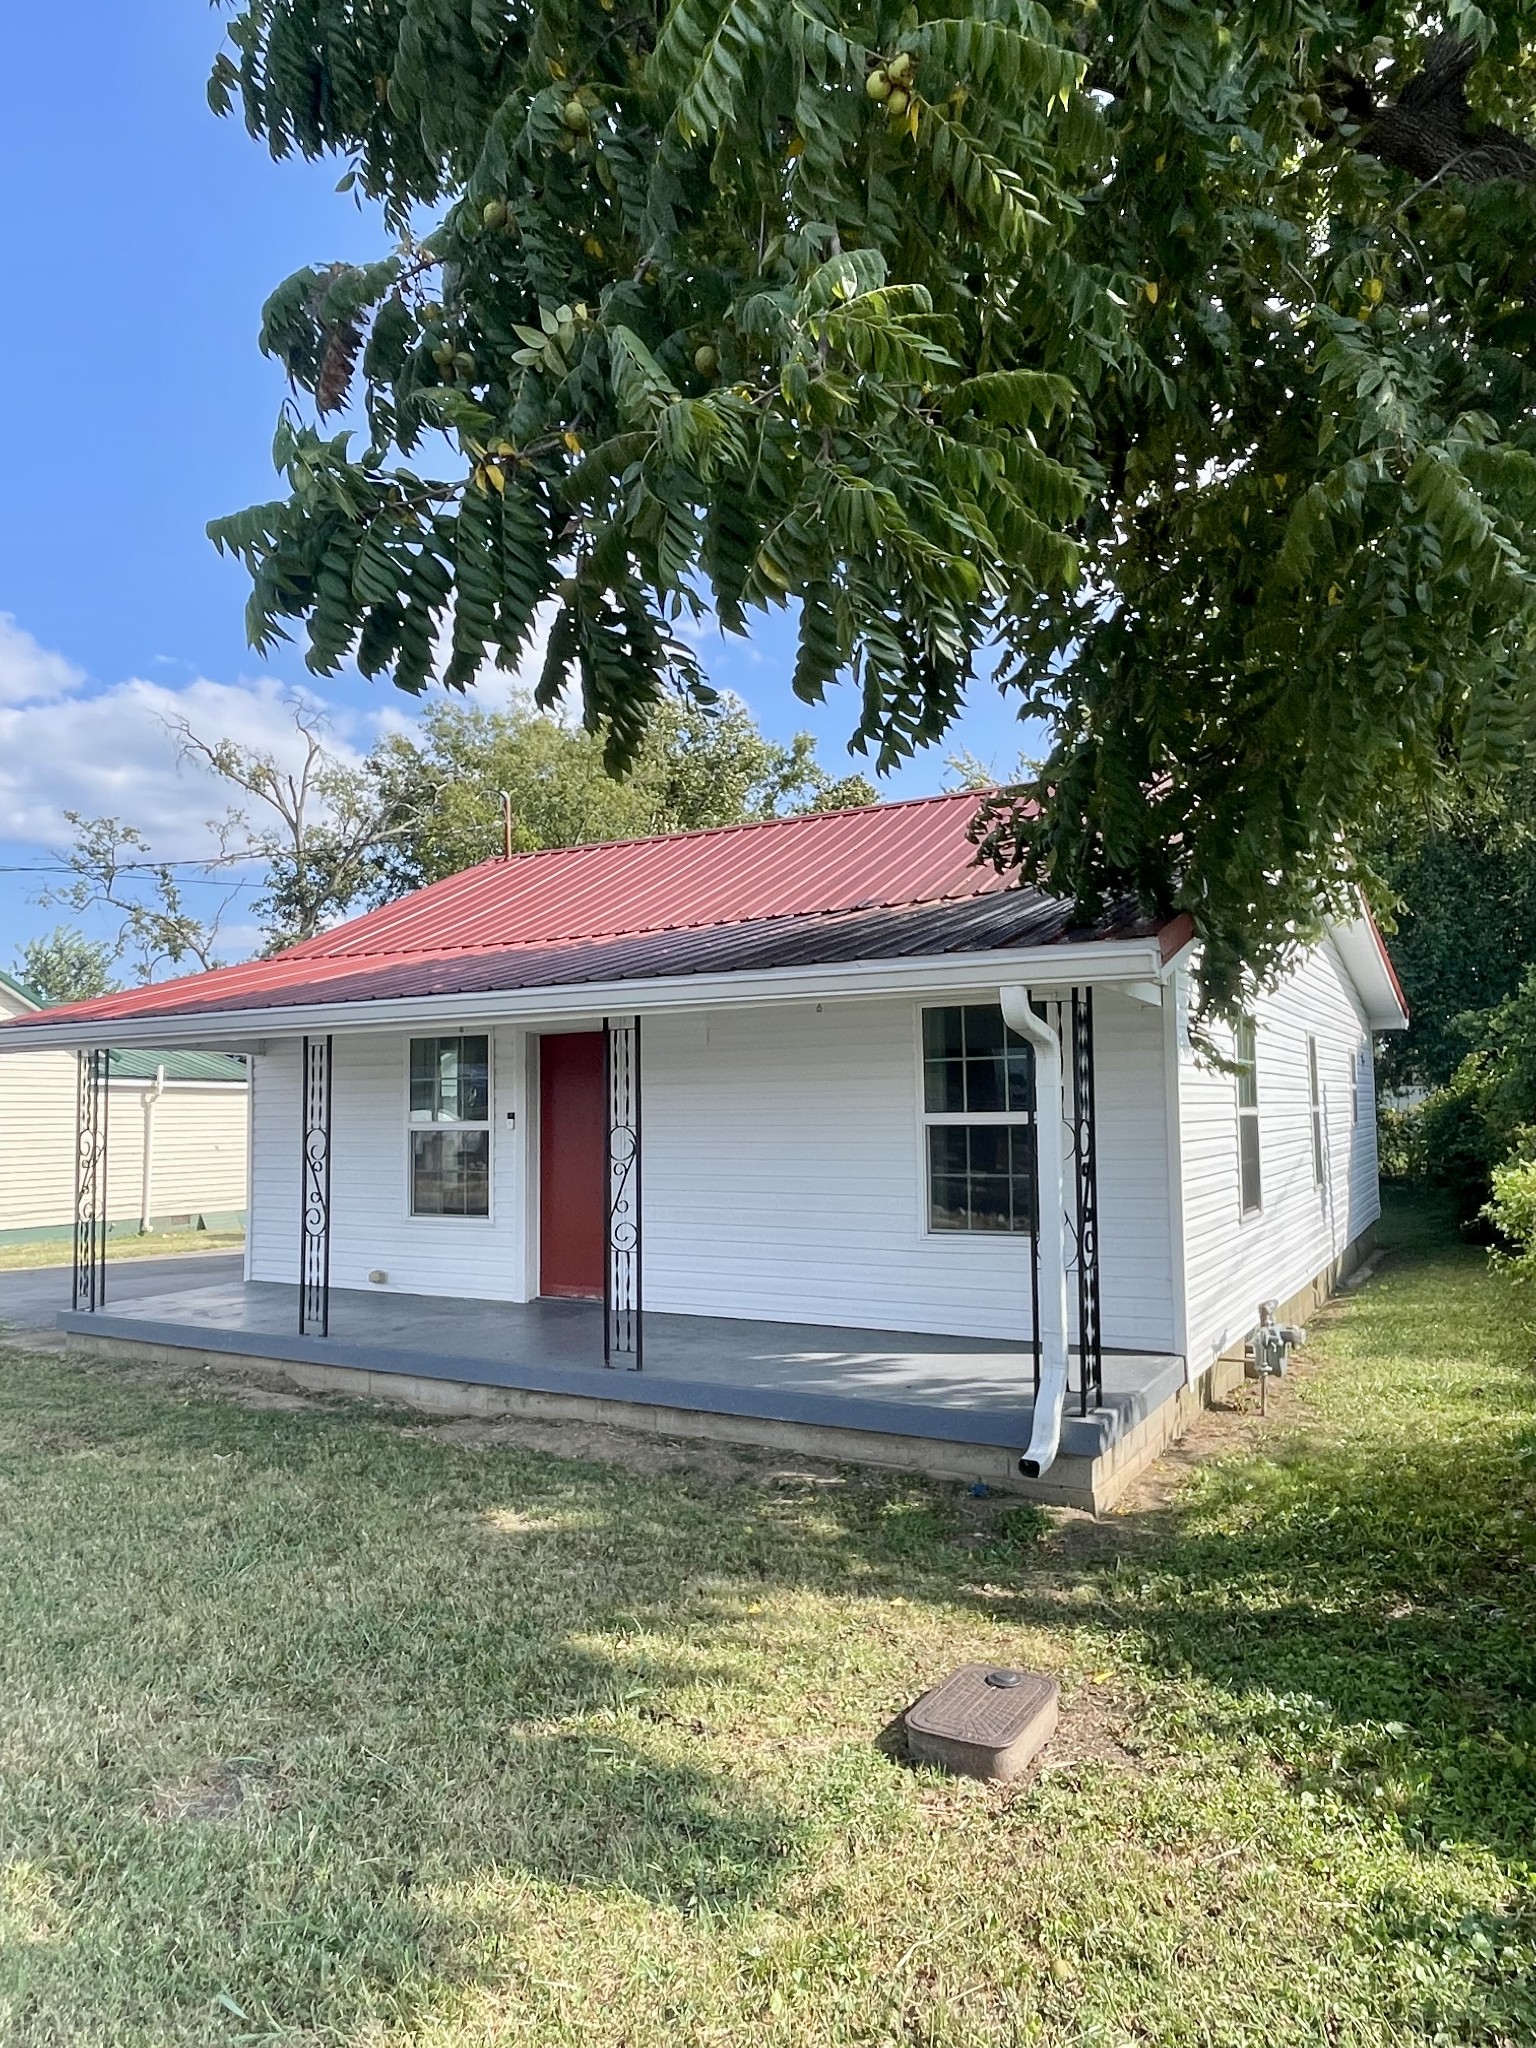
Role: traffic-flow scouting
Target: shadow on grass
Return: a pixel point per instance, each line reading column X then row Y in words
column 480, row 1673
column 1360, row 1599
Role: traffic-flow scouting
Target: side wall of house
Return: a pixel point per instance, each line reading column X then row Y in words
column 1232, row 1261
column 784, row 1177
column 37, row 1141
column 196, row 1134
column 199, row 1147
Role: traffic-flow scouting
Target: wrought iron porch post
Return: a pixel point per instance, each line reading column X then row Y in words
column 1085, row 1164
column 623, row 1314
column 90, row 1275
column 315, row 1189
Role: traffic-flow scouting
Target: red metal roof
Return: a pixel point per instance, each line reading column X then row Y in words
column 880, row 857
column 914, row 852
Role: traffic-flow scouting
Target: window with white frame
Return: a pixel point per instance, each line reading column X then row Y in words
column 979, row 1120
column 1246, row 1059
column 450, row 1126
column 1315, row 1105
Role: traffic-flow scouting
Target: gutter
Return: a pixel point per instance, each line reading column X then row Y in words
column 1050, row 1222
column 1098, row 961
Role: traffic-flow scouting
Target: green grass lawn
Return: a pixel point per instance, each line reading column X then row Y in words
column 155, row 1244
column 320, row 1725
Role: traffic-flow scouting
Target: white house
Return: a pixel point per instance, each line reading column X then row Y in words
column 813, row 1131
column 177, row 1157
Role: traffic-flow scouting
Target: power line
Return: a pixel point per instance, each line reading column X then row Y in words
column 183, row 881
column 123, row 867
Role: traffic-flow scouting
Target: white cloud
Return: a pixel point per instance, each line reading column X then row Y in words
column 29, row 673
column 112, row 754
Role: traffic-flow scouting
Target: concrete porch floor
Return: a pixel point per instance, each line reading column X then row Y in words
column 894, row 1383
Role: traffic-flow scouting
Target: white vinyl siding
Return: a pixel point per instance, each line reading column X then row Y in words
column 784, row 1177
column 198, row 1137
column 1234, row 1262
column 475, row 1257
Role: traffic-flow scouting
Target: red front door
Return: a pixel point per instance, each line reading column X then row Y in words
column 573, row 1149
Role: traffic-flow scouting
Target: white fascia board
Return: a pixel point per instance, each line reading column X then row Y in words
column 1363, row 956
column 1100, row 961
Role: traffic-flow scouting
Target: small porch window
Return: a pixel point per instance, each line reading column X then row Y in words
column 1246, row 1057
column 979, row 1121
column 450, row 1117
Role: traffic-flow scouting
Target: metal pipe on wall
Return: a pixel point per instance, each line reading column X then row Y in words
column 1050, row 1226
column 152, row 1095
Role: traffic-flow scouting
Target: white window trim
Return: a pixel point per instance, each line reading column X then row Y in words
column 1029, row 1119
column 1245, row 1212
column 1317, row 1114
column 411, row 1214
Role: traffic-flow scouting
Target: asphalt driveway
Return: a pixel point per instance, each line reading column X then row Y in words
column 30, row 1300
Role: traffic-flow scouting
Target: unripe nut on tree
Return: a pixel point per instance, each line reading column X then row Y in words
column 878, row 85
column 574, row 115
column 705, row 360
column 900, row 67
column 494, row 213
column 896, row 105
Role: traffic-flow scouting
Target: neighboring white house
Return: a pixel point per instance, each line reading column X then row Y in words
column 761, row 1090
column 177, row 1142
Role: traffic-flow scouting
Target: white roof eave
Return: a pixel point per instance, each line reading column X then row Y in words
column 1056, row 966
column 1363, row 956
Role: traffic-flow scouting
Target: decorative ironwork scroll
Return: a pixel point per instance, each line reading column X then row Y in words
column 90, row 1279
column 623, row 1318
column 315, row 1190
column 1085, row 1174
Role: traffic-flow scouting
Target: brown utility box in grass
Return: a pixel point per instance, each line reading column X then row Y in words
column 984, row 1721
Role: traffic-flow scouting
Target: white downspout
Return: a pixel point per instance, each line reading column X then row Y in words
column 1045, row 1436
column 152, row 1095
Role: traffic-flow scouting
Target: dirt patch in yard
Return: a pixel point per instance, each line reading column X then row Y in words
column 631, row 1450
column 221, row 1792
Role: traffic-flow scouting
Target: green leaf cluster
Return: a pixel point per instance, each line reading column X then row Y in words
column 700, row 324
column 1180, row 354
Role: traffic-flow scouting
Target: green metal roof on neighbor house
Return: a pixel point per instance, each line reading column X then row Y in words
column 19, row 988
column 179, row 1066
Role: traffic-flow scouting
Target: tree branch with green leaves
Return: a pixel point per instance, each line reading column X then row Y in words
column 1179, row 357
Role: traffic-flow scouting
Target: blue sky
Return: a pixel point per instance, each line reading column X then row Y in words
column 145, row 235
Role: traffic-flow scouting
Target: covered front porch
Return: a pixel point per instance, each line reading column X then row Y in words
column 957, row 1406
column 757, row 1236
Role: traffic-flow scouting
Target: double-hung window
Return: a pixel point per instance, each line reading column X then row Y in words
column 978, row 1120
column 450, row 1133
column 1315, row 1104
column 1246, row 1059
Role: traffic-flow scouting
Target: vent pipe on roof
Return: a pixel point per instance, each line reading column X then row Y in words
column 506, row 824
column 1050, row 1134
